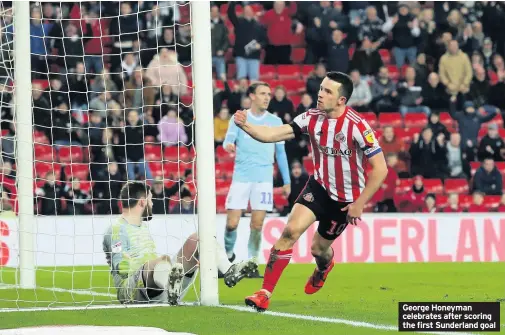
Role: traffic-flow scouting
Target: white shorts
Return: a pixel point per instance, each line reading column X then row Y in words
column 260, row 195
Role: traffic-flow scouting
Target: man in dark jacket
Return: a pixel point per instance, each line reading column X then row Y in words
column 434, row 95
column 429, row 155
column 488, row 179
column 405, row 31
column 367, row 59
column 161, row 195
column 250, row 39
column 134, row 138
column 384, row 93
column 491, row 145
column 219, row 38
column 337, row 57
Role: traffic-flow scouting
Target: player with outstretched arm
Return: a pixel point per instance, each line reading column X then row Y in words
column 253, row 173
column 140, row 275
column 342, row 145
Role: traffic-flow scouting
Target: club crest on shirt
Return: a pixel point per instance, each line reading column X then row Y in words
column 369, row 136
column 340, row 137
column 308, row 197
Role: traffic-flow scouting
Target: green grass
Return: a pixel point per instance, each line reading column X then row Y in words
column 357, row 292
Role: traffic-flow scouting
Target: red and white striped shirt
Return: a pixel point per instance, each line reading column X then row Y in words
column 340, row 151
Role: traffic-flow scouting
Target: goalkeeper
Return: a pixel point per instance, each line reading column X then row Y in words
column 140, row 275
column 253, row 174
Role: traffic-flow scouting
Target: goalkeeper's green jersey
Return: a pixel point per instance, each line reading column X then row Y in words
column 127, row 247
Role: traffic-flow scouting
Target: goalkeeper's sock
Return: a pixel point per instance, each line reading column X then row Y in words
column 230, row 237
column 254, row 243
column 223, row 264
column 277, row 262
column 161, row 272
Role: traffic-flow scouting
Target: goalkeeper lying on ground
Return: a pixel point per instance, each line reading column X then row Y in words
column 140, row 275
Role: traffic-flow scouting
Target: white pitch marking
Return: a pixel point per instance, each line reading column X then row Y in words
column 359, row 324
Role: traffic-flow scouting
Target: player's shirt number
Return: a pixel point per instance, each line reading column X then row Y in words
column 266, row 198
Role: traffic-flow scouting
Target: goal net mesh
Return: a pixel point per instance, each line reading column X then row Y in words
column 112, row 102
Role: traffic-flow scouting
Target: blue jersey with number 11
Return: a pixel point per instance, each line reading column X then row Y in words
column 254, row 160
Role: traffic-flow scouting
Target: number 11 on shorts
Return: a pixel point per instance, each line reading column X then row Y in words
column 266, row 196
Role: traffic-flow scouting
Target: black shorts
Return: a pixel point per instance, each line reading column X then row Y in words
column 332, row 220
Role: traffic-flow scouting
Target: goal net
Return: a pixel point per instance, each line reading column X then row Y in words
column 111, row 102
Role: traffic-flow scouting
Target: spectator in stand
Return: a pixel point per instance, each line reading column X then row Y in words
column 219, row 41
column 184, row 44
column 139, row 91
column 315, row 80
column 487, row 178
column 39, row 43
column 428, row 29
column 429, row 155
column 41, row 109
column 186, row 205
column 337, row 57
column 430, row 204
column 107, row 189
column 6, row 204
column 93, row 47
column 361, row 95
column 277, row 22
column 421, row 68
column 480, row 87
column 69, row 42
column 8, row 178
column 498, row 63
column 162, row 194
column 172, row 130
column 65, row 129
column 501, row 206
column 249, row 41
column 455, row 24
column 477, row 32
column 412, row 201
column 468, row 43
column 245, row 103
column 323, row 19
column 299, row 179
column 134, row 138
column 305, row 104
column 48, row 197
column 128, row 65
column 384, row 93
column 391, row 144
column 384, row 198
column 434, row 95
column 6, row 103
column 452, row 204
column 496, row 96
column 154, row 23
column 124, row 29
column 405, row 29
column 367, row 60
column 235, row 97
column 56, row 92
column 94, row 137
column 469, row 123
column 281, row 106
column 78, row 201
column 220, row 95
column 492, row 145
column 458, row 157
column 455, row 70
column 8, row 144
column 221, row 122
column 164, row 69
column 410, row 94
column 478, row 203
column 104, row 83
column 436, row 126
column 372, row 28
column 99, row 103
column 167, row 40
column 78, row 85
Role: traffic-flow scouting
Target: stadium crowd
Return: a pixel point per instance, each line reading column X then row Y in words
column 112, row 96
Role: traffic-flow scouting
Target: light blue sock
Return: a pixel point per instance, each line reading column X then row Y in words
column 254, row 243
column 230, row 237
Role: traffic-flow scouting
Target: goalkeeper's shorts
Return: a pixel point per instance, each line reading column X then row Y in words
column 133, row 290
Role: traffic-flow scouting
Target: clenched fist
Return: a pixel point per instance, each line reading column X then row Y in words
column 240, row 118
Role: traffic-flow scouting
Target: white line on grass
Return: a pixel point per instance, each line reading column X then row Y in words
column 359, row 324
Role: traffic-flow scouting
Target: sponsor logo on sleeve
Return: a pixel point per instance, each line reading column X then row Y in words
column 369, row 136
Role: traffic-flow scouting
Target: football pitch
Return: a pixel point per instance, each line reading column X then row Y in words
column 357, row 299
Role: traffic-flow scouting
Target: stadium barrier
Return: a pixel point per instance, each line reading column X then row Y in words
column 74, row 241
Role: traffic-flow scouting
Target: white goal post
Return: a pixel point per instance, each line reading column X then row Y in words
column 205, row 176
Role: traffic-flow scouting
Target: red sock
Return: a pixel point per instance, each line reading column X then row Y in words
column 277, row 262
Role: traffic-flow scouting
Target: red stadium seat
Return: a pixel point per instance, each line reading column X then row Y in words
column 465, row 200
column 371, row 118
column 44, row 153
column 232, row 71
column 298, row 55
column 307, row 70
column 267, row 72
column 187, row 100
column 42, row 168
column 500, row 166
column 433, row 186
column 497, row 120
column 493, row 77
column 222, row 186
column 385, row 55
column 308, row 164
column 404, row 185
column 390, row 119
column 295, row 99
column 156, row 169
column 280, row 201
column 223, row 155
column 415, row 120
column 72, row 154
column 394, row 74
column 459, row 186
column 152, row 152
column 441, row 201
column 446, row 120
column 288, row 72
column 492, row 201
column 298, row 40
column 294, row 86
column 225, row 169
column 221, row 203
column 77, row 170
column 86, row 186
column 176, row 153
column 39, row 137
column 474, row 166
column 483, row 132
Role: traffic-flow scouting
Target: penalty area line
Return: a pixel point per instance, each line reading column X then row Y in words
column 358, row 324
